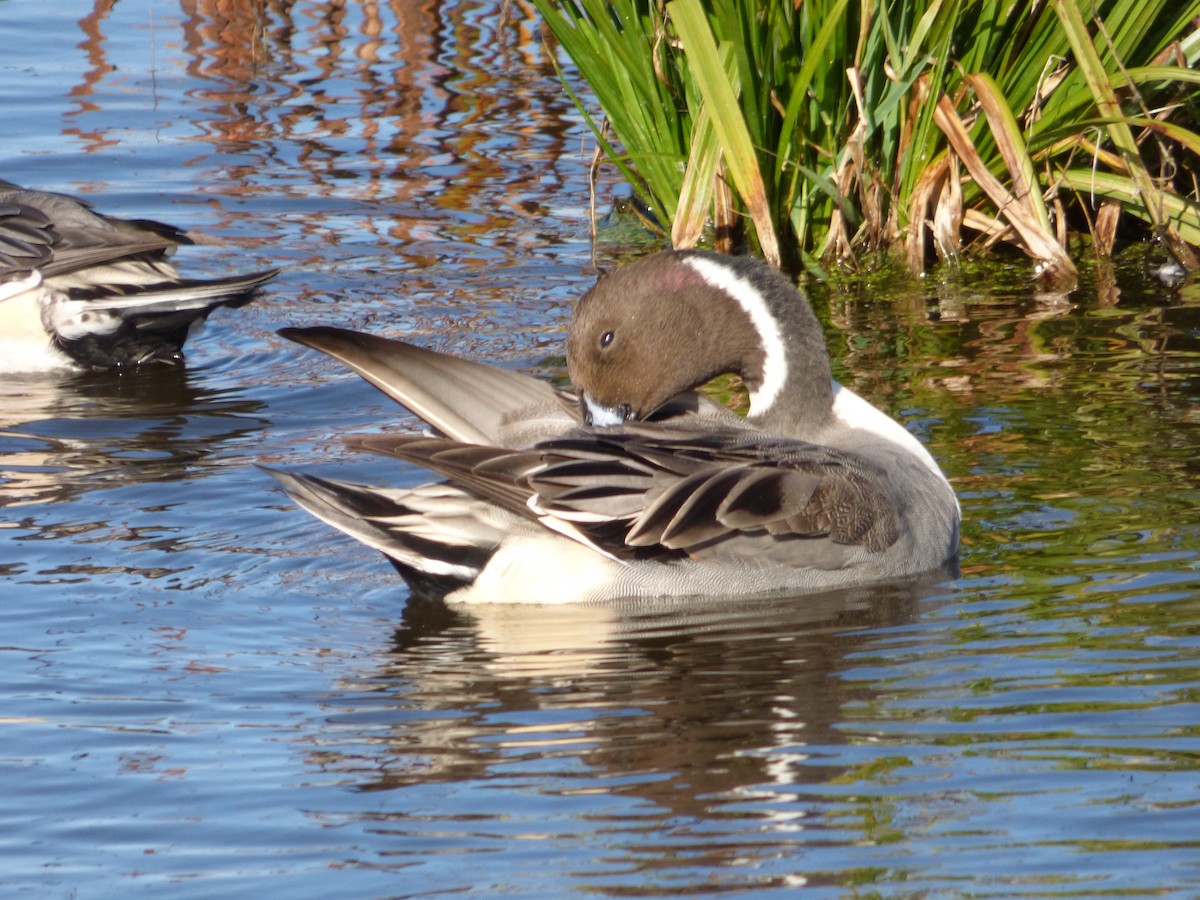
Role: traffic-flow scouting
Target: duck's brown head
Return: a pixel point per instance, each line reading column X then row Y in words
column 670, row 322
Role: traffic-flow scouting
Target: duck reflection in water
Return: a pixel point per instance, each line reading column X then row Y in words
column 62, row 437
column 712, row 713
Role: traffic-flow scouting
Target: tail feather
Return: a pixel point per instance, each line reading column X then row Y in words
column 184, row 294
column 434, row 534
column 144, row 325
column 465, row 400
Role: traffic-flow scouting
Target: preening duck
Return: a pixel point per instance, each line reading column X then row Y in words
column 637, row 485
column 83, row 290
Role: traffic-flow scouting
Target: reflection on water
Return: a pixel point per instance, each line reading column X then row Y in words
column 425, row 149
column 63, row 435
column 682, row 735
column 208, row 693
column 903, row 738
column 679, row 667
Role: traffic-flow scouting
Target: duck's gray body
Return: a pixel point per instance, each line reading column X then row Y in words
column 815, row 489
column 83, row 290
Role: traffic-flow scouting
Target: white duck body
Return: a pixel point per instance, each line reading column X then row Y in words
column 816, row 489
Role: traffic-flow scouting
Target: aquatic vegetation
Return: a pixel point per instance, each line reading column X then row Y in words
column 831, row 130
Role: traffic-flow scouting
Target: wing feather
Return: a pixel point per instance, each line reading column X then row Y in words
column 631, row 493
column 694, row 489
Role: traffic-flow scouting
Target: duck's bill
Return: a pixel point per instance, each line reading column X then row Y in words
column 598, row 416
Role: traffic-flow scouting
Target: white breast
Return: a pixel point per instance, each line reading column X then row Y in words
column 854, row 412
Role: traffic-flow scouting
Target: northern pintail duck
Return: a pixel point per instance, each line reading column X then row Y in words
column 79, row 289
column 636, row 485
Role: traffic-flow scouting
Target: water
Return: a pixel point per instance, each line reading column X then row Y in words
column 206, row 693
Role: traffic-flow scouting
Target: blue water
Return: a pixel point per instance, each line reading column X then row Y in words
column 207, row 693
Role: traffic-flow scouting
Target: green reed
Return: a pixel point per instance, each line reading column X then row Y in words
column 827, row 130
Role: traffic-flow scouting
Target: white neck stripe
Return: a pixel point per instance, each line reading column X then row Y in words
column 774, row 365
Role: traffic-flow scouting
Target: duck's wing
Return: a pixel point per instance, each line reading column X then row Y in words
column 496, row 474
column 689, row 492
column 26, row 239
column 117, row 267
column 464, row 400
column 647, row 491
column 59, row 235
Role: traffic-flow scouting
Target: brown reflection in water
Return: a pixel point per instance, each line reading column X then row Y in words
column 385, row 88
column 436, row 116
column 226, row 42
column 93, row 46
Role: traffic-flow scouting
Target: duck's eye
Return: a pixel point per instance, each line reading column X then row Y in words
column 606, row 339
